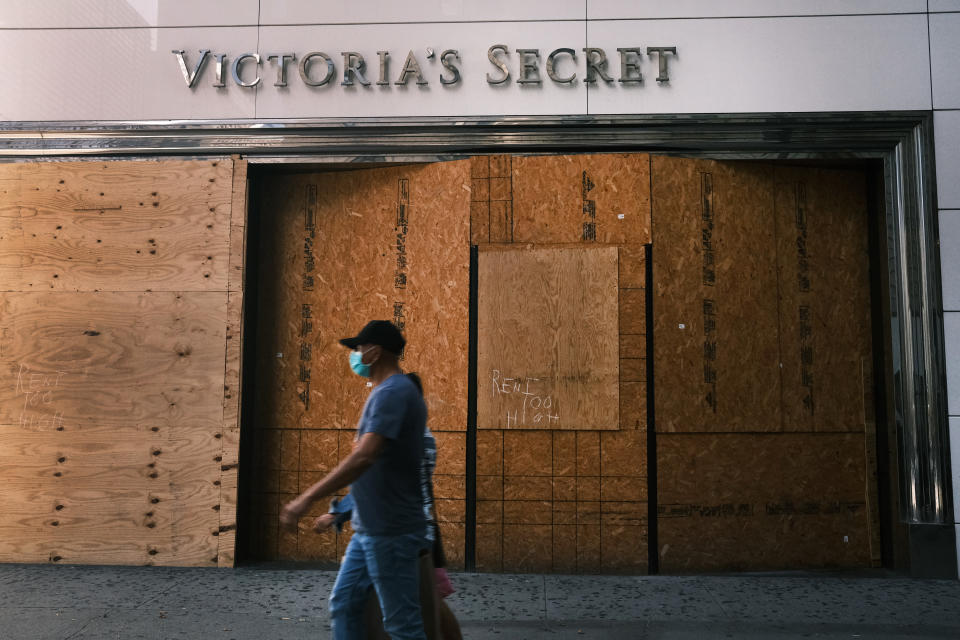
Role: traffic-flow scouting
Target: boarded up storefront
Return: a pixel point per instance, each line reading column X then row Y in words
column 762, row 354
column 120, row 348
column 340, row 249
column 120, row 307
column 764, row 394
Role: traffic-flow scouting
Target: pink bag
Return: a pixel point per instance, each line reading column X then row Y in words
column 444, row 586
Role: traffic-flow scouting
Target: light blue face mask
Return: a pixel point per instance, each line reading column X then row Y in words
column 356, row 364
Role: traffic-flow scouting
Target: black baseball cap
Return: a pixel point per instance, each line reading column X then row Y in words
column 381, row 332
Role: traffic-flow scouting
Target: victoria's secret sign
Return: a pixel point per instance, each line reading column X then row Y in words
column 316, row 69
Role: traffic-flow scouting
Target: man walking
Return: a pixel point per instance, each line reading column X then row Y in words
column 383, row 472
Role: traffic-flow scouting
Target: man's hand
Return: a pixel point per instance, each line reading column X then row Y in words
column 363, row 455
column 291, row 513
column 324, row 522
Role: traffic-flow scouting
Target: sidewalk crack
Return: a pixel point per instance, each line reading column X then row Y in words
column 716, row 601
column 81, row 629
column 544, row 578
column 156, row 596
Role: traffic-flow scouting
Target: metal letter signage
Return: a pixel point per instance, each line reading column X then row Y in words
column 191, row 78
column 235, row 69
column 492, row 56
column 527, row 64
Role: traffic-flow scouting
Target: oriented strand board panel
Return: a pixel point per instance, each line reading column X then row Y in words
column 337, row 250
column 548, row 339
column 716, row 353
column 290, row 460
column 737, row 502
column 602, row 198
column 158, row 225
column 825, row 324
column 115, row 334
column 349, row 247
column 583, row 493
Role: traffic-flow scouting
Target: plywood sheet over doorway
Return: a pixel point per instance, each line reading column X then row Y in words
column 568, row 498
column 548, row 339
column 754, row 501
column 120, row 337
column 340, row 249
column 764, row 403
column 715, row 282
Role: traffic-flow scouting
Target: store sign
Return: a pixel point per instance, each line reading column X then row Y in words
column 317, row 69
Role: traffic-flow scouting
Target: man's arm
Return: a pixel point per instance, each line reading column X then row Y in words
column 366, row 452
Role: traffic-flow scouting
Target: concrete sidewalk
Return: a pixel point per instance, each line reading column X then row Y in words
column 72, row 602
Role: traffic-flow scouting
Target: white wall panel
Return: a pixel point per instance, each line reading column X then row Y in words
column 750, row 65
column 724, row 65
column 56, row 14
column 472, row 96
column 625, row 9
column 951, row 338
column 946, row 126
column 292, row 12
column 945, row 57
column 950, row 259
column 944, row 5
column 118, row 74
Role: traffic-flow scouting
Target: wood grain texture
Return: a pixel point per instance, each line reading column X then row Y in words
column 715, row 282
column 548, row 327
column 761, row 501
column 111, row 358
column 239, row 196
column 121, row 226
column 119, row 431
column 342, row 249
column 11, row 229
column 230, row 432
column 632, row 263
column 83, row 494
column 553, row 480
column 601, row 198
column 589, row 486
column 431, row 301
column 825, row 323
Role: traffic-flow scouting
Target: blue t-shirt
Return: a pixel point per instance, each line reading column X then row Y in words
column 388, row 496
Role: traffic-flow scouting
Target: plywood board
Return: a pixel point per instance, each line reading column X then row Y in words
column 479, row 199
column 109, row 495
column 589, row 487
column 825, row 323
column 229, row 435
column 121, row 226
column 344, row 248
column 10, row 188
column 633, row 263
column 412, row 267
column 603, row 198
column 238, row 221
column 113, row 348
column 547, row 339
column 111, row 358
column 761, row 501
column 715, row 324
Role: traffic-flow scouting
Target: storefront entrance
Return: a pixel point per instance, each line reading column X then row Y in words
column 633, row 362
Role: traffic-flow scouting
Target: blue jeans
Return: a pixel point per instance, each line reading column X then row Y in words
column 392, row 565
